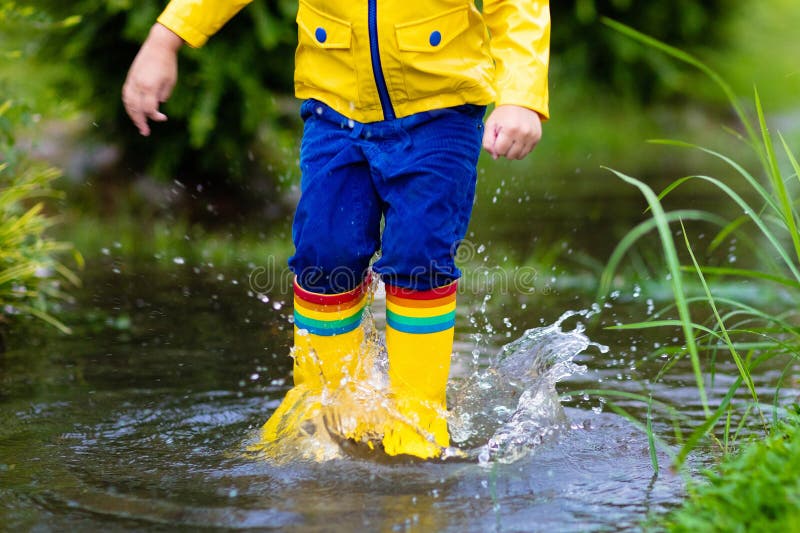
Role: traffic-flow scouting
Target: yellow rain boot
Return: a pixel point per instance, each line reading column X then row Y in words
column 419, row 342
column 327, row 344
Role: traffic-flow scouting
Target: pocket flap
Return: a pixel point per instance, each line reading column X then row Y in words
column 324, row 30
column 432, row 33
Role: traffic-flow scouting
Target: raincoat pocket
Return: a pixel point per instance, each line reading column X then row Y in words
column 437, row 53
column 324, row 57
column 432, row 34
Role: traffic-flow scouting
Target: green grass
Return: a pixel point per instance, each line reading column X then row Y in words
column 716, row 328
column 31, row 276
column 757, row 489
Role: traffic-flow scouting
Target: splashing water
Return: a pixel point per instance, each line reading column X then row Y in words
column 498, row 414
column 514, row 402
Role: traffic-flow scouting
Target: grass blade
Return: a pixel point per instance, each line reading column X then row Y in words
column 651, row 441
column 746, row 273
column 671, row 256
column 778, row 185
column 743, row 371
column 643, row 228
column 702, row 430
column 751, row 180
column 693, row 61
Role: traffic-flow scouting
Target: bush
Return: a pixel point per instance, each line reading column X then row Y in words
column 228, row 94
column 586, row 50
column 31, row 276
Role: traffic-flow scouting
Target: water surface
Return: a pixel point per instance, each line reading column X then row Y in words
column 141, row 419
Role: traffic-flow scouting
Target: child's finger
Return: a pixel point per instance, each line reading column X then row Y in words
column 489, row 136
column 132, row 109
column 158, row 116
column 520, row 149
column 149, row 102
column 165, row 92
column 503, row 143
column 139, row 119
column 516, row 151
column 150, row 107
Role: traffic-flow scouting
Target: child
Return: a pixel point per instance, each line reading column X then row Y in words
column 394, row 95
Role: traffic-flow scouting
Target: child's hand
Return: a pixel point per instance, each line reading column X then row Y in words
column 151, row 77
column 511, row 131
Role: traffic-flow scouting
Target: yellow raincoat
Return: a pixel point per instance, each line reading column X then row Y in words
column 380, row 59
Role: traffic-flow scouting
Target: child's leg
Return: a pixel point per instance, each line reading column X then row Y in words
column 419, row 340
column 336, row 231
column 336, row 227
column 428, row 190
column 327, row 344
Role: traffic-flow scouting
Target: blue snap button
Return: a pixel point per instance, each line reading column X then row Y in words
column 321, row 35
column 435, row 38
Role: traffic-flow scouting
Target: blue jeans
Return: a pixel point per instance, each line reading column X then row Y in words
column 417, row 172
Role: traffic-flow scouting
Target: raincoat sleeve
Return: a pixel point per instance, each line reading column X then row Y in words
column 195, row 21
column 520, row 45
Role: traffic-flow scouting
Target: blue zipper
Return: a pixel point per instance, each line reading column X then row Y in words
column 377, row 70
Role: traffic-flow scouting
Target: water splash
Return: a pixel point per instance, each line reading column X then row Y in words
column 498, row 414
column 505, row 411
